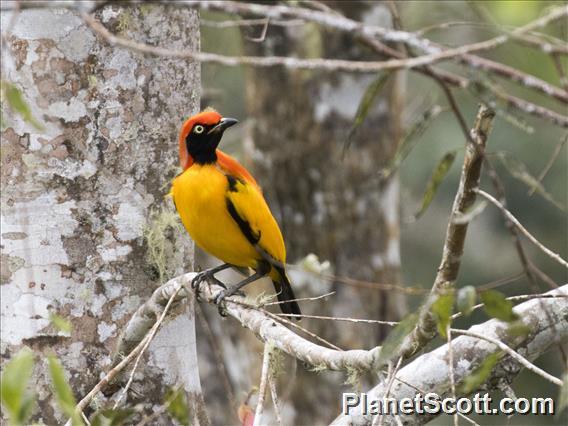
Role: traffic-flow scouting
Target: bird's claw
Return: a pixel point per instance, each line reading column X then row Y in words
column 218, row 300
column 204, row 276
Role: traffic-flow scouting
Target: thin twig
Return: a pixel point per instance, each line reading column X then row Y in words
column 268, row 327
column 263, row 382
column 231, row 23
column 455, row 232
column 355, row 320
column 423, row 392
column 521, row 228
column 452, row 370
column 275, row 401
column 520, row 298
column 301, row 299
column 550, row 162
column 390, row 380
column 218, row 354
column 353, row 66
column 359, row 283
column 522, row 360
column 499, row 282
column 271, row 61
column 262, row 35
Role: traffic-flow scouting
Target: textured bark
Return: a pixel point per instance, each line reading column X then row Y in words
column 77, row 195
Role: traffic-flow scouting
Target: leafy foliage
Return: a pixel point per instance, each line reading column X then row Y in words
column 440, row 172
column 466, row 299
column 15, row 398
column 410, row 140
column 519, row 171
column 112, row 417
column 497, row 306
column 177, row 406
column 481, row 374
column 62, row 324
column 63, row 391
column 16, row 101
column 442, row 308
column 395, row 339
column 367, row 101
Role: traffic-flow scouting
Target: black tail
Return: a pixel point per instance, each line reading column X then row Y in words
column 285, row 293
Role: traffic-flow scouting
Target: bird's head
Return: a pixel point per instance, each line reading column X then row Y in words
column 199, row 137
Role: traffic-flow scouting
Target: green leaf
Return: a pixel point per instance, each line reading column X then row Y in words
column 481, row 374
column 410, row 141
column 62, row 390
column 395, row 339
column 442, row 309
column 62, row 324
column 112, row 417
column 17, row 372
column 466, row 299
column 436, row 179
column 367, row 101
column 518, row 328
column 519, row 171
column 17, row 103
column 177, row 406
column 563, row 396
column 497, row 306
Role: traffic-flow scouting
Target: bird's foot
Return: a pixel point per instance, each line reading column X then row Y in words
column 219, row 299
column 220, row 302
column 204, row 276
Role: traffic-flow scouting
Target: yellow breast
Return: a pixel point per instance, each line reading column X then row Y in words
column 200, row 197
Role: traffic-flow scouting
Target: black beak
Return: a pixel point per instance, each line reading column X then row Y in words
column 223, row 125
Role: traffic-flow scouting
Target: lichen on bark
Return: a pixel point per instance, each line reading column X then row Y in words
column 77, row 194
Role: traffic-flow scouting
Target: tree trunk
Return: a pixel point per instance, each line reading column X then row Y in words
column 79, row 195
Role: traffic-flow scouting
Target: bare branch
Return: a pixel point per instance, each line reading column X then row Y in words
column 456, row 232
column 431, row 373
column 521, row 228
column 526, row 363
column 550, row 162
column 263, row 382
column 274, row 396
column 267, row 328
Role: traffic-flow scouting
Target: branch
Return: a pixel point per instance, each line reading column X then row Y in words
column 431, row 372
column 263, row 382
column 288, row 62
column 420, row 64
column 367, row 33
column 456, row 231
column 268, row 329
column 520, row 227
column 264, row 324
column 525, row 363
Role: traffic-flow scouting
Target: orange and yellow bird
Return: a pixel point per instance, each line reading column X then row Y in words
column 224, row 211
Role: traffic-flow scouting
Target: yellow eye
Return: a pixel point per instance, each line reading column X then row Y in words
column 198, row 129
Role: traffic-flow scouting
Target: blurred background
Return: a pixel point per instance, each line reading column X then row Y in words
column 295, row 125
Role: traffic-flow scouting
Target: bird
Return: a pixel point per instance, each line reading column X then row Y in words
column 222, row 207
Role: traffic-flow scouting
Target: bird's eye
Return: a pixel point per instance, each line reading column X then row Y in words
column 198, row 129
